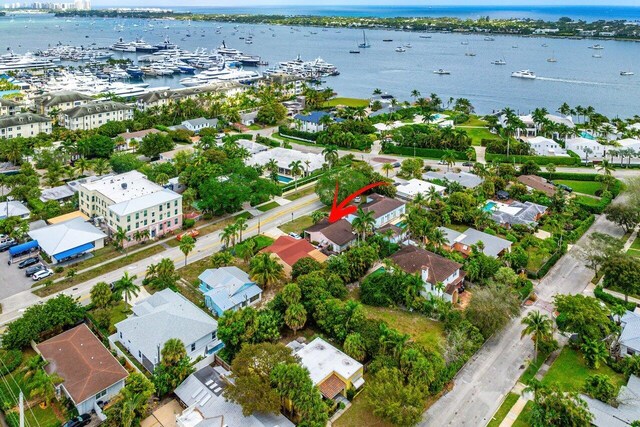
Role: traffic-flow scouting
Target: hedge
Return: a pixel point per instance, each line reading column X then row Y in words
column 236, row 137
column 11, row 359
column 542, row 271
column 307, row 136
column 539, row 160
column 575, row 234
column 594, row 208
column 313, row 177
column 429, row 153
column 599, row 293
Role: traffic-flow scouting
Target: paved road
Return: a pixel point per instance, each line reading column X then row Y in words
column 493, row 371
column 205, row 246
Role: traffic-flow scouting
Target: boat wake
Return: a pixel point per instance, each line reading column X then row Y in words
column 577, row 82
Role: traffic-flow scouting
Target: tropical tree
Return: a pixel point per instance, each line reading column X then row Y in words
column 173, row 351
column 539, row 326
column 130, row 404
column 241, row 225
column 295, row 316
column 318, row 216
column 141, row 235
column 331, row 155
column 187, row 244
column 354, row 346
column 387, row 167
column 265, row 270
column 101, row 295
column 100, row 166
column 296, row 169
column 127, row 287
column 32, row 366
column 415, row 94
column 119, row 237
column 363, row 223
column 43, row 386
column 595, row 352
column 449, row 158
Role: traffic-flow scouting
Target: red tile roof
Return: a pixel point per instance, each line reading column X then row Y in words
column 290, row 250
column 331, row 386
column 84, row 364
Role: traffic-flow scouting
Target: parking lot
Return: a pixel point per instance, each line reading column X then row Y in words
column 13, row 279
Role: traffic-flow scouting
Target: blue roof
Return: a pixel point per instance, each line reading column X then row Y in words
column 224, row 301
column 315, row 116
column 18, row 249
column 74, row 251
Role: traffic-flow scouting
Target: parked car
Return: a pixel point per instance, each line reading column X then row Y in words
column 29, row 261
column 42, row 274
column 79, row 421
column 565, row 188
column 8, row 244
column 468, row 164
column 33, row 270
column 396, row 165
column 295, row 235
column 193, row 233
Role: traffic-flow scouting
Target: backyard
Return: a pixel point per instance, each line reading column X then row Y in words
column 347, row 102
column 360, row 414
column 477, row 134
column 584, row 187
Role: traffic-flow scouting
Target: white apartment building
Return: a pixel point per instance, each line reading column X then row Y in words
column 131, row 202
column 95, row 114
column 60, row 101
column 24, row 125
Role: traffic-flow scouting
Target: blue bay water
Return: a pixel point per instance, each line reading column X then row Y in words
column 576, row 77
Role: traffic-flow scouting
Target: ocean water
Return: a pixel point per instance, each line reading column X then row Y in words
column 576, row 77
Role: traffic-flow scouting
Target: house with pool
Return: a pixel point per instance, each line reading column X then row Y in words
column 586, row 147
column 228, row 288
column 284, row 158
column 514, row 212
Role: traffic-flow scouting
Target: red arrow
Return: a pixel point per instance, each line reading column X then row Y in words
column 342, row 209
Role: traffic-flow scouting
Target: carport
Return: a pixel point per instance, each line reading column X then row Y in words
column 22, row 249
column 73, row 251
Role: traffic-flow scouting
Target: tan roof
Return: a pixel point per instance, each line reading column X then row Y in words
column 67, row 217
column 139, row 134
column 84, row 364
column 538, row 183
column 412, row 260
column 331, row 387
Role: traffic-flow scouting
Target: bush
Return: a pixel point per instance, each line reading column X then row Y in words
column 547, row 265
column 295, row 133
column 188, row 223
column 600, row 387
column 599, row 293
column 234, row 138
column 11, row 359
column 429, row 153
column 539, row 160
column 58, row 269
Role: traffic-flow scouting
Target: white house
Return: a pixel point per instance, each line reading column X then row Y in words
column 531, row 129
column 161, row 317
column 312, row 122
column 196, row 125
column 94, row 114
column 580, row 145
column 13, row 208
column 408, row 190
column 385, row 210
column 543, row 146
column 629, row 339
column 284, row 157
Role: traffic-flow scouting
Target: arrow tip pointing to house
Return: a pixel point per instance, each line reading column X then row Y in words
column 341, row 210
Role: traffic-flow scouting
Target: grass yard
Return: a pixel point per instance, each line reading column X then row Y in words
column 267, row 206
column 36, row 416
column 298, row 225
column 222, row 224
column 584, row 187
column 191, row 271
column 474, row 121
column 504, row 409
column 117, row 313
column 255, row 127
column 588, row 200
column 533, row 368
column 422, row 330
column 538, row 255
column 301, row 193
column 524, row 419
column 360, row 414
column 347, row 102
column 478, row 134
column 636, row 244
column 633, row 252
column 569, row 372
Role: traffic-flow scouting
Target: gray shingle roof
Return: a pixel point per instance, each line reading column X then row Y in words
column 162, row 316
column 630, row 335
column 56, row 193
column 525, row 216
column 13, row 208
column 56, row 98
column 95, row 108
column 627, row 411
column 493, row 245
column 22, row 119
column 467, row 180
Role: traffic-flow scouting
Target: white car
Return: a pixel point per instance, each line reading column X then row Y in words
column 42, row 274
column 295, row 235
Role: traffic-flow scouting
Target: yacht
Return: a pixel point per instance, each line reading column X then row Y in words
column 122, row 46
column 596, row 55
column 400, row 49
column 166, row 45
column 220, row 75
column 545, row 45
column 135, row 72
column 408, row 45
column 524, row 74
column 144, row 47
column 13, row 62
column 596, row 47
column 442, row 72
column 365, row 43
column 499, row 62
column 464, row 43
column 626, row 73
column 489, row 39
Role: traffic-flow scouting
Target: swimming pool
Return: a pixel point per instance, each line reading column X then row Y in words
column 587, row 135
column 284, row 179
column 438, row 116
column 401, row 224
column 488, row 207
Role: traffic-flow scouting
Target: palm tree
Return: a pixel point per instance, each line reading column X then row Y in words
column 265, row 269
column 228, row 234
column 173, row 351
column 364, row 222
column 449, row 158
column 127, row 287
column 32, row 366
column 551, row 168
column 43, row 386
column 296, row 169
column 119, row 237
column 326, row 121
column 162, row 178
column 330, row 154
column 100, row 166
column 605, row 167
column 387, row 167
column 187, row 244
column 595, row 351
column 415, row 94
column 587, row 151
column 131, row 403
column 437, row 238
column 539, row 326
column 82, row 165
column 295, row 316
column 241, row 225
column 318, row 216
column 377, row 91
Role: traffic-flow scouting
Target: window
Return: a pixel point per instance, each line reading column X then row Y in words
column 176, row 212
column 254, row 298
column 100, row 394
column 145, row 222
column 137, row 215
column 175, row 203
column 160, row 217
column 128, row 218
column 120, row 335
column 175, row 221
column 168, row 205
column 160, row 208
column 128, row 228
column 139, row 354
column 137, row 224
column 145, row 212
column 193, row 347
column 213, row 335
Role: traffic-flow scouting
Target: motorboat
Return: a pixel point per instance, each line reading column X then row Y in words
column 499, row 62
column 166, row 45
column 626, row 73
column 122, row 46
column 354, row 51
column 400, row 49
column 135, row 72
column 524, row 74
column 595, row 55
column 596, row 47
column 442, row 72
column 489, row 39
column 387, row 40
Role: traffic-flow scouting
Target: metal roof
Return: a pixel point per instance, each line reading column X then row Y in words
column 61, row 237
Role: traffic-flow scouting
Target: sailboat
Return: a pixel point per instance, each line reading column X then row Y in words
column 365, row 42
column 553, row 58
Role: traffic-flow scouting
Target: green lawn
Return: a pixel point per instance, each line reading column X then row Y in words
column 255, row 127
column 504, row 409
column 538, row 255
column 36, row 416
column 360, row 414
column 190, row 272
column 569, row 372
column 478, row 134
column 587, row 200
column 423, row 331
column 348, row 102
column 533, row 368
column 301, row 193
column 298, row 225
column 633, row 252
column 636, row 244
column 474, row 121
column 268, row 206
column 584, row 187
column 524, row 419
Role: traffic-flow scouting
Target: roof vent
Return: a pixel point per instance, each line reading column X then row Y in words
column 124, row 185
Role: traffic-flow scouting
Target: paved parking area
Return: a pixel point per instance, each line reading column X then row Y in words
column 12, row 279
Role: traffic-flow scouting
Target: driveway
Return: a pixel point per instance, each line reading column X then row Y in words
column 12, row 280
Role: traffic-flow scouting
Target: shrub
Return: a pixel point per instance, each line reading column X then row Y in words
column 599, row 293
column 188, row 223
column 295, row 133
column 11, row 359
column 600, row 387
column 429, row 153
column 539, row 160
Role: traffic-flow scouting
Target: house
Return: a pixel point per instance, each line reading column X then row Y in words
column 385, row 209
column 169, row 156
column 586, row 148
column 8, row 107
column 13, row 208
column 202, row 395
column 625, row 414
column 24, row 125
column 629, row 144
column 60, row 101
column 196, row 125
column 385, row 99
column 68, row 239
column 60, row 194
column 461, row 242
column 546, row 147
column 408, row 190
column 531, row 129
column 284, row 157
column 174, row 185
column 535, row 182
column 313, row 122
column 95, row 114
column 508, row 214
column 251, row 146
column 331, row 370
column 434, row 269
column 161, row 317
column 90, row 373
column 129, row 201
column 336, row 236
column 629, row 339
column 288, row 251
column 249, row 118
column 465, row 179
column 132, row 139
column 228, row 288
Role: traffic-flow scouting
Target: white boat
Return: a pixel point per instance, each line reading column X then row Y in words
column 552, row 59
column 596, row 47
column 595, row 55
column 13, row 62
column 122, row 46
column 626, row 73
column 442, row 72
column 365, row 43
column 400, row 49
column 221, row 75
column 499, row 62
column 489, row 39
column 524, row 74
column 408, row 46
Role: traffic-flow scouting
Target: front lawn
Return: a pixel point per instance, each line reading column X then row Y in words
column 300, row 193
column 584, row 187
column 360, row 414
column 267, row 206
column 538, row 255
column 533, row 368
column 504, row 409
column 478, row 134
column 347, row 102
column 524, row 419
column 587, row 200
column 569, row 372
column 424, row 331
column 117, row 313
column 298, row 225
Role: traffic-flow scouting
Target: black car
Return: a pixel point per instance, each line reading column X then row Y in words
column 8, row 244
column 79, row 421
column 33, row 270
column 468, row 164
column 29, row 261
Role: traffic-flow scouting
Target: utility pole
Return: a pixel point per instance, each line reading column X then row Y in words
column 21, row 406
